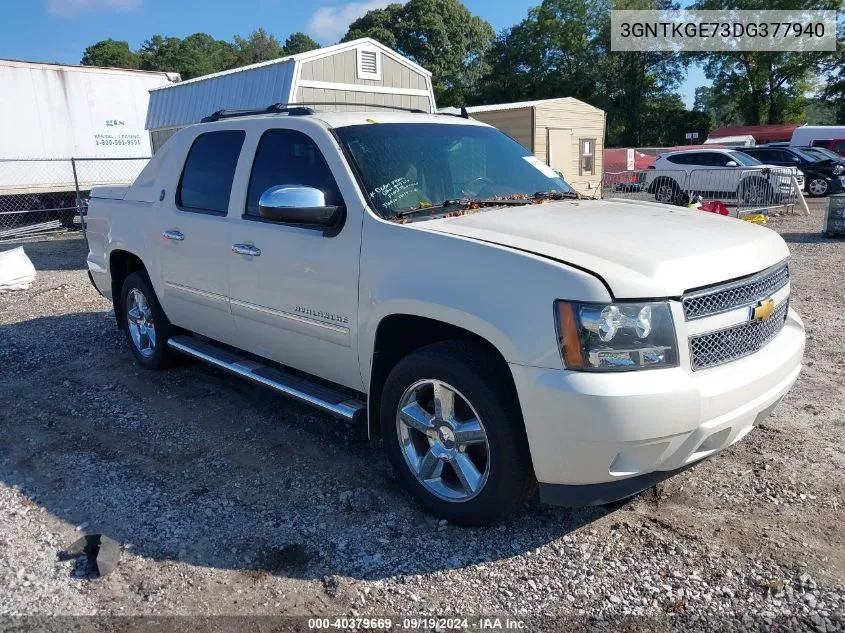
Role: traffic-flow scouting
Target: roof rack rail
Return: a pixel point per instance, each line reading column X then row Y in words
column 291, row 109
column 300, row 109
column 364, row 106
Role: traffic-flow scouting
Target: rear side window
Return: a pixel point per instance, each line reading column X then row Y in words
column 713, row 159
column 762, row 154
column 839, row 147
column 679, row 159
column 288, row 157
column 206, row 182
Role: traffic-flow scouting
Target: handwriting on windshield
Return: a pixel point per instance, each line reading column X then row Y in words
column 392, row 192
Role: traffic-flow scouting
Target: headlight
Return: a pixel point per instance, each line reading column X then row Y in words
column 616, row 336
column 838, row 169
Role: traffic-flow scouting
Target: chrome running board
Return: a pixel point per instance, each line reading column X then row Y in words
column 331, row 401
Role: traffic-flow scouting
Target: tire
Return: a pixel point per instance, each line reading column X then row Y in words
column 666, row 190
column 756, row 191
column 818, row 187
column 503, row 477
column 144, row 323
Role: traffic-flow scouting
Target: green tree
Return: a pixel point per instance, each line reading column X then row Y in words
column 113, row 53
column 299, row 43
column 201, row 54
column 440, row 35
column 379, row 24
column 161, row 53
column 196, row 55
column 258, row 46
column 563, row 49
column 720, row 107
column 766, row 87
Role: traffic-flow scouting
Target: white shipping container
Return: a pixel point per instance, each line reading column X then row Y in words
column 51, row 111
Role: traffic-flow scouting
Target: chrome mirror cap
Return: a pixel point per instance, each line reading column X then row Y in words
column 292, row 197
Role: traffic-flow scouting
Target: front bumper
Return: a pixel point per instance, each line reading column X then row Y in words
column 596, row 438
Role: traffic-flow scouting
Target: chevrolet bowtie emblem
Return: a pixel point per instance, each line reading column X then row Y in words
column 763, row 310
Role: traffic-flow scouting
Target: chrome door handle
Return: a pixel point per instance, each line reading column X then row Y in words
column 246, row 249
column 173, row 235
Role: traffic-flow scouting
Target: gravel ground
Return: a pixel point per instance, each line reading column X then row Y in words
column 228, row 499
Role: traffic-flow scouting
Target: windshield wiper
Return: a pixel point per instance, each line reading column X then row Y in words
column 504, row 201
column 463, row 203
column 557, row 195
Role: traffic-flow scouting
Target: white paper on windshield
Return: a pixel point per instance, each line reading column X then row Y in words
column 541, row 166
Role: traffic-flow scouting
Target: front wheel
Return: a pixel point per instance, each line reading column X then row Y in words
column 454, row 434
column 818, row 187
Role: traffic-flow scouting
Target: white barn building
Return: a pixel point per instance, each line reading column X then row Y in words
column 349, row 76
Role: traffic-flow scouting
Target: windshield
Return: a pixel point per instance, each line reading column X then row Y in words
column 806, row 155
column 744, row 159
column 409, row 166
column 822, row 152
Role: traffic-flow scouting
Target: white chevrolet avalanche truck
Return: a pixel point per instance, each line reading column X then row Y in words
column 428, row 277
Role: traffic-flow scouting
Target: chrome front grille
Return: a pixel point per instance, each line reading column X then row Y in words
column 723, row 346
column 743, row 292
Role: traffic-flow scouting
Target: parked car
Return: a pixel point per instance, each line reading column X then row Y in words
column 822, row 176
column 428, row 277
column 831, row 137
column 823, row 153
column 719, row 173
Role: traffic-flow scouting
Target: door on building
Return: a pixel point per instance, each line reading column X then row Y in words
column 560, row 153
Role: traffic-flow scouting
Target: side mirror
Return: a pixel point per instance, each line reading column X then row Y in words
column 297, row 204
column 731, row 163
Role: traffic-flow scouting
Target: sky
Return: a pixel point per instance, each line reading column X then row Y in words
column 59, row 30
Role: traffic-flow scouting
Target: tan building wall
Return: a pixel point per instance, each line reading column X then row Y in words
column 583, row 123
column 517, row 123
column 342, row 97
column 342, row 68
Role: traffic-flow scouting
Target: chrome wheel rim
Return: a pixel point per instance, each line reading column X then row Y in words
column 443, row 440
column 754, row 194
column 665, row 193
column 142, row 329
column 818, row 187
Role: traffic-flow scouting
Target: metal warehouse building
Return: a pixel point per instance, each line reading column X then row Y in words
column 566, row 134
column 350, row 75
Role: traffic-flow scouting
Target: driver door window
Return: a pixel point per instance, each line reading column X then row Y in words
column 288, row 157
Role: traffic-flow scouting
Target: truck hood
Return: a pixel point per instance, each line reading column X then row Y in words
column 640, row 249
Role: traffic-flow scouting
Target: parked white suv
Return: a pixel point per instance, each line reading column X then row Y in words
column 428, row 277
column 719, row 173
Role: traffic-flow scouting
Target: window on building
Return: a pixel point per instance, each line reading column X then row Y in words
column 587, row 152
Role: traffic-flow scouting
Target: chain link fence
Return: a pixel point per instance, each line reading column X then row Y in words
column 743, row 191
column 44, row 196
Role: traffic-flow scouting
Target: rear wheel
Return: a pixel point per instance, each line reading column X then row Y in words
column 454, row 435
column 145, row 324
column 756, row 192
column 818, row 187
column 666, row 191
